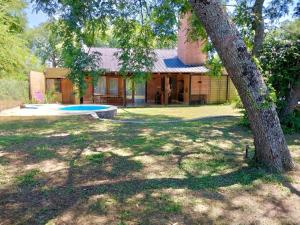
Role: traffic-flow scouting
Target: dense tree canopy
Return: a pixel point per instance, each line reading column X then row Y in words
column 280, row 62
column 252, row 18
column 15, row 57
column 45, row 43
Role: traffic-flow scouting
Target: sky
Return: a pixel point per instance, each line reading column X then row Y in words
column 35, row 18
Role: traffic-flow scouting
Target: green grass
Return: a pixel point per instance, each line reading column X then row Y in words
column 96, row 158
column 42, row 153
column 3, row 161
column 156, row 114
column 28, row 179
column 78, row 170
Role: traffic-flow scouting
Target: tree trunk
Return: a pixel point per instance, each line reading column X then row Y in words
column 259, row 27
column 270, row 145
column 292, row 100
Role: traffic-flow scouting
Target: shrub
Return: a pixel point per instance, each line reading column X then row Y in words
column 13, row 92
column 291, row 123
column 11, row 89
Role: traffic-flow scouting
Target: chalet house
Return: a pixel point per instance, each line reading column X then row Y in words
column 178, row 77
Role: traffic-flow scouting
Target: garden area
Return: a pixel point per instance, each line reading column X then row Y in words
column 77, row 170
column 176, row 152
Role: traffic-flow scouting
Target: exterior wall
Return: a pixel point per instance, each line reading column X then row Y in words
column 56, row 72
column 189, row 52
column 154, row 86
column 232, row 92
column 37, row 86
column 88, row 96
column 68, row 96
column 221, row 90
column 197, row 89
column 211, row 90
column 164, row 89
column 107, row 98
column 200, row 89
column 186, row 93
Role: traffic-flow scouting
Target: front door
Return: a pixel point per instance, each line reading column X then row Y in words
column 67, row 91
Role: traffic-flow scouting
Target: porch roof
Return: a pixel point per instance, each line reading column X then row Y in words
column 166, row 61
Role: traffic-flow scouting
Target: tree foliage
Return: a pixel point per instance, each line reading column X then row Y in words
column 252, row 16
column 280, row 61
column 137, row 27
column 46, row 43
column 15, row 57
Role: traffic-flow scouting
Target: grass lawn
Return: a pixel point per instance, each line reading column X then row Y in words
column 156, row 114
column 76, row 170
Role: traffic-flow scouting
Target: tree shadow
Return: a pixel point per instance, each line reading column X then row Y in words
column 61, row 198
column 104, row 159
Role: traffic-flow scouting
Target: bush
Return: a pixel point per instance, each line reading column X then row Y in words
column 13, row 92
column 237, row 102
column 291, row 123
column 11, row 89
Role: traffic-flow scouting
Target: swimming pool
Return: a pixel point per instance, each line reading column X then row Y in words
column 84, row 107
column 100, row 111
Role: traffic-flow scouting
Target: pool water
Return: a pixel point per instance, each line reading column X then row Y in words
column 84, row 107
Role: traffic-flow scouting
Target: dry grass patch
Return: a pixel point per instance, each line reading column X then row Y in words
column 73, row 170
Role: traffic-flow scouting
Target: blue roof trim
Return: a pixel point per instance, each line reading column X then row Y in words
column 176, row 63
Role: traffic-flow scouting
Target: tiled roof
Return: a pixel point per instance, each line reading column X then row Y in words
column 166, row 61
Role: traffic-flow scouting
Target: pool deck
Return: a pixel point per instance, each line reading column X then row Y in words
column 42, row 110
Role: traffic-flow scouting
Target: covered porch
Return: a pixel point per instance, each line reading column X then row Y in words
column 161, row 89
column 113, row 89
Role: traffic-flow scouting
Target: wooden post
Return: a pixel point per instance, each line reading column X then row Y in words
column 190, row 88
column 227, row 88
column 132, row 91
column 146, row 92
column 124, row 92
column 166, row 94
column 107, row 85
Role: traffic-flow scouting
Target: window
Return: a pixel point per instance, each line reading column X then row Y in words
column 113, row 86
column 100, row 87
column 140, row 93
column 140, row 89
column 128, row 89
column 53, row 85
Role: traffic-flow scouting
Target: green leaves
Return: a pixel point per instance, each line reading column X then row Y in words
column 215, row 66
column 15, row 57
column 279, row 61
column 137, row 27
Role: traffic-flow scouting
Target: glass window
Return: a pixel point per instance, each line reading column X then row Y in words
column 140, row 89
column 128, row 89
column 139, row 93
column 53, row 85
column 100, row 87
column 113, row 86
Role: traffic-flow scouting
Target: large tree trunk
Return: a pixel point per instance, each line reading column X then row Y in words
column 270, row 145
column 259, row 27
column 292, row 100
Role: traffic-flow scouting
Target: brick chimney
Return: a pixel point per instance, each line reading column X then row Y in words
column 189, row 52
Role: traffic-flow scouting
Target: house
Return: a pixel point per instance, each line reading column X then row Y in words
column 178, row 77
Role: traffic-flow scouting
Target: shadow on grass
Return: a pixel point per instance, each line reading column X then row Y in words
column 207, row 155
column 59, row 199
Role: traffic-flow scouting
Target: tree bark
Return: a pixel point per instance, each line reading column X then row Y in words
column 259, row 27
column 270, row 144
column 292, row 100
